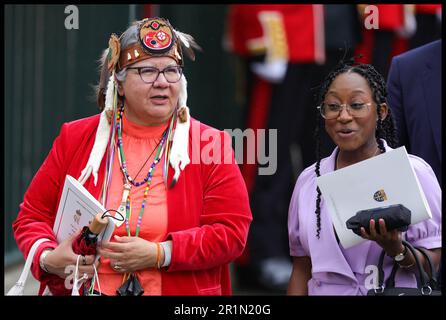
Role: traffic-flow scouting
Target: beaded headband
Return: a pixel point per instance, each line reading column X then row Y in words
column 157, row 38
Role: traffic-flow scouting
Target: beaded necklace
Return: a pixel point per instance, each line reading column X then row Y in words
column 128, row 178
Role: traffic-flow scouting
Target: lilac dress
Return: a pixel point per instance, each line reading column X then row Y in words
column 339, row 271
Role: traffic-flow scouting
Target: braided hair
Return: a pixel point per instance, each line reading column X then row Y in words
column 385, row 129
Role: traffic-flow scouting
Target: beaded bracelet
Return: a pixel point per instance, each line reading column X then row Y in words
column 42, row 259
column 406, row 255
column 158, row 254
column 406, row 267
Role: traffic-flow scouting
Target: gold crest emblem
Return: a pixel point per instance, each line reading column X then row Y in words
column 380, row 195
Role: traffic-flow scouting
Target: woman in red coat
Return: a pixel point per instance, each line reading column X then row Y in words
column 190, row 206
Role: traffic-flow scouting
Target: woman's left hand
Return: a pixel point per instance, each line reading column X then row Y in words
column 390, row 241
column 129, row 254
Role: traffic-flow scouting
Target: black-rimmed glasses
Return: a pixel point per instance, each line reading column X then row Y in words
column 151, row 74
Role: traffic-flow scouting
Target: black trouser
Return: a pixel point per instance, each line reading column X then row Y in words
column 382, row 50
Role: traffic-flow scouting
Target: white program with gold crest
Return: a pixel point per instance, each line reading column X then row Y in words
column 77, row 208
column 380, row 181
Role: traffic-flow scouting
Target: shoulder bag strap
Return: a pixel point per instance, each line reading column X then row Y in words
column 433, row 279
column 390, row 283
column 18, row 288
column 423, row 276
column 380, row 273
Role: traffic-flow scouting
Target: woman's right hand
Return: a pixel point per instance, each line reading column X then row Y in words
column 62, row 257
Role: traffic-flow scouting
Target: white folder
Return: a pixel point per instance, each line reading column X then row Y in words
column 380, row 181
column 77, row 208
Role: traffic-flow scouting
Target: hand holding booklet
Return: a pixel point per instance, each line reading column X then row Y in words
column 385, row 180
column 77, row 208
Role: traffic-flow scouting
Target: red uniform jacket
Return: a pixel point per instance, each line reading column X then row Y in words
column 208, row 212
column 391, row 16
column 303, row 25
column 428, row 8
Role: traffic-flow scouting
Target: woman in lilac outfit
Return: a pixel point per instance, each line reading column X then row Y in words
column 361, row 130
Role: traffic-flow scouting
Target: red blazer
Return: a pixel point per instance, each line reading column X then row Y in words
column 208, row 211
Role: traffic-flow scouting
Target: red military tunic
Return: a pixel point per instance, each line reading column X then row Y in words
column 428, row 8
column 303, row 27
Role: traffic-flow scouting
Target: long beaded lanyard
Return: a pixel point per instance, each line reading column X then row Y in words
column 128, row 178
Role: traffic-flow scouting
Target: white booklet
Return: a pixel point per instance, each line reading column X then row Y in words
column 380, row 181
column 77, row 208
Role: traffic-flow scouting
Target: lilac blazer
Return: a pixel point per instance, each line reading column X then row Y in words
column 339, row 271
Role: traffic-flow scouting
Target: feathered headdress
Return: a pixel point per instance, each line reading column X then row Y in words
column 156, row 38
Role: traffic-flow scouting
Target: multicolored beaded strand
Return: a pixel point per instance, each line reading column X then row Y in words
column 147, row 179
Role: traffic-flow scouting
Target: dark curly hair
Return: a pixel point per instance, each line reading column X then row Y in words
column 385, row 129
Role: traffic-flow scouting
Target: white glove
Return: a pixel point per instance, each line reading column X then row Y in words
column 271, row 71
column 410, row 25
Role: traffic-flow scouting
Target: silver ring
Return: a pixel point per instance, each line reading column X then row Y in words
column 117, row 266
column 85, row 276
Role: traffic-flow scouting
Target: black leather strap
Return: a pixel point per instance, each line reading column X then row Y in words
column 381, row 270
column 433, row 278
column 390, row 283
column 424, row 278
